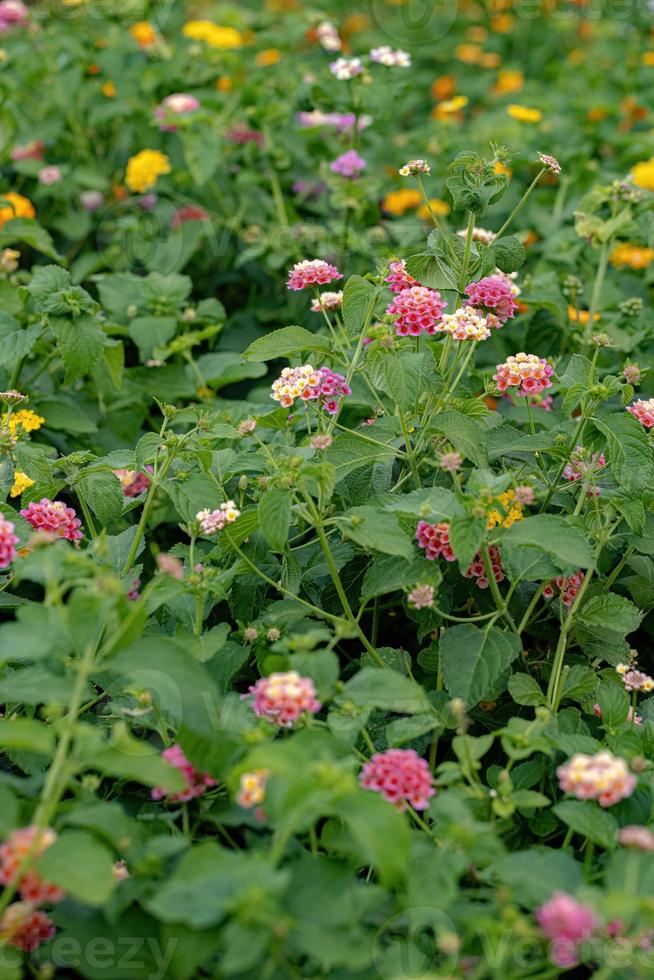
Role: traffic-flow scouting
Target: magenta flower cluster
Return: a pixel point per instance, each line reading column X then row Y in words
column 567, row 587
column 196, row 782
column 282, row 698
column 478, row 570
column 348, row 164
column 398, row 278
column 311, row 272
column 401, row 776
column 55, row 517
column 133, row 482
column 8, row 542
column 434, row 539
column 417, row 310
column 566, row 922
column 493, row 295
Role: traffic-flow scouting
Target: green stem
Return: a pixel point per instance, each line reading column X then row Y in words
column 553, row 688
column 521, row 203
column 433, row 216
column 597, row 290
column 497, row 595
column 462, row 369
column 463, row 281
column 409, row 449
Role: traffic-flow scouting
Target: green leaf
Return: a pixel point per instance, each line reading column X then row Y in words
column 373, row 687
column 588, row 820
column 275, row 517
column 475, row 659
column 15, row 341
column 281, row 343
column 508, row 254
column 392, row 573
column 629, row 451
column 467, row 435
column 81, row 344
column 614, row 704
column 431, row 271
column 358, row 295
column 30, row 232
column 610, row 612
column 353, row 449
column 566, row 544
column 407, row 375
column 374, row 825
column 375, row 529
column 81, row 865
column 202, row 152
column 534, row 875
column 27, row 735
column 103, row 494
column 466, row 536
column 524, row 689
column 149, row 332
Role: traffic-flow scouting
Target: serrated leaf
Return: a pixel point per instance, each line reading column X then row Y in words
column 15, row 341
column 81, row 865
column 431, row 271
column 373, row 528
column 610, row 612
column 373, row 687
column 475, row 659
column 466, row 537
column 275, row 517
column 629, row 451
column 509, row 254
column 563, row 542
column 524, row 689
column 81, row 344
column 587, row 820
column 281, row 343
column 103, row 494
column 358, row 296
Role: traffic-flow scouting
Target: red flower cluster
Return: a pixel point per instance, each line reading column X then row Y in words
column 398, row 278
column 478, row 569
column 435, row 540
column 55, row 517
column 568, row 587
column 133, row 482
column 401, row 776
column 494, row 296
column 25, row 927
column 8, row 542
column 31, row 886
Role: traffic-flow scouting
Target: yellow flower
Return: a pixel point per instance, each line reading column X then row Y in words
column 509, row 80
column 635, row 256
column 21, row 482
column 469, row 54
column 212, row 34
column 267, row 57
column 508, row 513
column 581, row 316
column 438, row 207
column 224, row 83
column 449, row 107
column 524, row 114
column 400, row 201
column 26, row 419
column 501, row 168
column 502, row 24
column 144, row 169
column 643, row 174
column 648, row 58
column 109, row 90
column 143, row 33
column 17, row 207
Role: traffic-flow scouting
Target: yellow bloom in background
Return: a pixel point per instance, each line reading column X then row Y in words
column 469, row 54
column 477, row 33
column 509, row 80
column 26, row 419
column 438, row 207
column 643, row 174
column 635, row 256
column 17, row 206
column 648, row 58
column 144, row 169
column 398, row 202
column 224, row 83
column 21, row 482
column 581, row 316
column 109, row 90
column 510, row 512
column 524, row 113
column 212, row 34
column 267, row 57
column 501, row 168
column 450, row 107
column 502, row 24
column 143, row 33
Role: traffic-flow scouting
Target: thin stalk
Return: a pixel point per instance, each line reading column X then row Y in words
column 595, row 296
column 553, row 688
column 521, row 203
column 409, row 448
column 468, row 248
column 497, row 595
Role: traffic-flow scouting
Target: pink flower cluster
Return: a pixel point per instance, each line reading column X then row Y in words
column 282, row 698
column 643, row 410
column 177, row 104
column 13, row 14
column 566, row 922
column 304, row 382
column 568, row 587
column 434, row 539
column 525, row 371
column 311, row 272
column 550, row 163
column 133, row 482
column 327, row 301
column 8, row 542
column 385, row 55
column 417, row 310
column 49, row 175
column 603, row 777
column 493, row 295
column 196, row 782
column 401, row 776
column 213, row 521
column 13, row 852
column 633, row 679
column 345, row 69
column 421, row 597
column 252, row 788
column 414, row 168
column 189, row 212
column 348, row 164
column 478, row 569
column 55, row 517
column 580, row 467
column 398, row 278
column 636, row 836
column 33, row 150
column 25, row 927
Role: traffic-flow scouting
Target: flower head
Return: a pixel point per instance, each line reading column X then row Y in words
column 213, row 35
column 133, row 482
column 524, row 495
column 550, row 163
column 414, row 168
column 642, row 174
column 33, row 150
column 417, row 310
column 478, row 569
column 8, row 542
column 177, row 104
column 493, row 295
column 25, row 927
column 327, row 301
column 568, row 587
column 13, row 853
column 25, row 420
column 53, row 516
column 13, row 14
column 524, row 113
column 321, row 442
column 252, row 788
column 144, row 34
column 328, row 36
column 602, row 777
column 385, row 55
column 466, row 323
column 566, row 922
column 14, row 205
column 451, row 462
column 582, row 465
column 49, row 175
column 525, row 371
column 434, row 539
column 401, row 776
column 638, row 837
column 213, row 521
column 91, row 200
column 312, row 272
column 308, row 384
column 348, row 164
column 421, row 597
column 398, row 278
column 197, row 783
column 21, row 483
column 282, row 698
column 643, row 410
column 345, row 69
column 144, row 169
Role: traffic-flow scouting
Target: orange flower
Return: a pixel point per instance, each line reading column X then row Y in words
column 450, row 108
column 648, row 58
column 502, row 24
column 477, row 33
column 93, row 69
column 17, row 206
column 530, row 239
column 109, row 90
column 355, row 24
column 444, row 87
column 143, row 33
column 490, row 59
column 400, row 201
column 634, row 256
column 509, row 80
column 470, row 54
column 269, row 56
column 224, row 83
column 438, row 207
column 596, row 114
column 581, row 316
column 501, row 168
